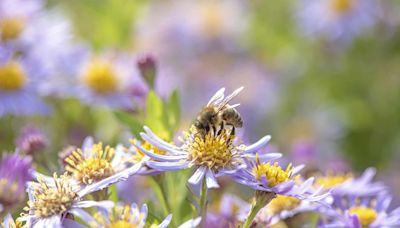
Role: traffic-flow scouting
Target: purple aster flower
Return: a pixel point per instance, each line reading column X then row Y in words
column 52, row 199
column 337, row 20
column 15, row 171
column 346, row 185
column 15, row 17
column 19, row 88
column 109, row 81
column 31, row 140
column 95, row 167
column 131, row 216
column 362, row 212
column 232, row 209
column 266, row 177
column 214, row 154
column 284, row 207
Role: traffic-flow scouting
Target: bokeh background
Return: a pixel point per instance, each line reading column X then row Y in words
column 321, row 76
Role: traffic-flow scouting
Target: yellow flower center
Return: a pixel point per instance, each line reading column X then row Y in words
column 52, row 200
column 10, row 195
column 330, row 181
column 147, row 146
column 213, row 150
column 365, row 215
column 283, row 203
column 12, row 77
column 119, row 217
column 273, row 173
column 100, row 77
column 341, row 6
column 212, row 18
column 11, row 28
column 94, row 167
column 18, row 224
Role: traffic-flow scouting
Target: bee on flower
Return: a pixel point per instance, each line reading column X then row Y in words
column 213, row 152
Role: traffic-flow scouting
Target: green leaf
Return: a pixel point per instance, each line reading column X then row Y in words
column 173, row 111
column 113, row 193
column 135, row 126
column 155, row 115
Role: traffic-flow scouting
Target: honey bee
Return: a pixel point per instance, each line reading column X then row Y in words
column 218, row 112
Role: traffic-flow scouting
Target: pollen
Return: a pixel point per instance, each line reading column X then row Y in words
column 12, row 77
column 119, row 217
column 52, row 200
column 215, row 150
column 273, row 173
column 341, row 6
column 88, row 167
column 11, row 28
column 100, row 76
column 365, row 215
column 330, row 180
column 283, row 203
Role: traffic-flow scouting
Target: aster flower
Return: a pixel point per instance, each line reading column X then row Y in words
column 362, row 212
column 213, row 155
column 15, row 16
column 31, row 140
column 108, row 81
column 270, row 180
column 346, row 184
column 267, row 177
column 95, row 167
column 284, row 207
column 130, row 216
column 8, row 222
column 18, row 88
column 15, row 172
column 51, row 199
column 232, row 209
column 337, row 19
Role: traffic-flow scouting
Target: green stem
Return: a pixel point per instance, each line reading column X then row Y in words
column 203, row 203
column 261, row 199
column 253, row 212
column 160, row 195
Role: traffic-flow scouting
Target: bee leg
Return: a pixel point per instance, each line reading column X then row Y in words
column 221, row 127
column 214, row 130
column 233, row 131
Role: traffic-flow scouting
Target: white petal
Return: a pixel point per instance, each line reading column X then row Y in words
column 211, row 181
column 81, row 214
column 198, row 175
column 168, row 166
column 258, row 145
column 120, row 176
column 106, row 204
column 192, row 223
column 166, row 222
column 160, row 157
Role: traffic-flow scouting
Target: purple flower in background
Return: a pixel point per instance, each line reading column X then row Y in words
column 361, row 212
column 232, row 209
column 213, row 155
column 19, row 88
column 15, row 17
column 108, row 81
column 15, row 172
column 31, row 140
column 336, row 20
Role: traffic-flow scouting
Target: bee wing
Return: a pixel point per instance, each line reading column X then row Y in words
column 218, row 97
column 233, row 106
column 228, row 98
